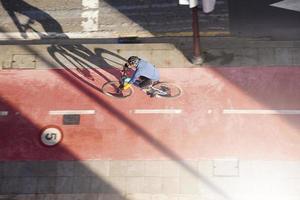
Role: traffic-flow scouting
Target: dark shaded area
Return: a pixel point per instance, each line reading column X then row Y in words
column 166, row 16
column 34, row 14
column 18, row 124
column 225, row 58
column 16, row 131
column 256, row 18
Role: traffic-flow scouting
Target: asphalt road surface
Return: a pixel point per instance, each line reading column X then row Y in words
column 261, row 18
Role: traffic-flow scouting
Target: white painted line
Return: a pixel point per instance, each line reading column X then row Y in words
column 157, row 111
column 261, row 112
column 72, row 112
column 3, row 113
column 90, row 15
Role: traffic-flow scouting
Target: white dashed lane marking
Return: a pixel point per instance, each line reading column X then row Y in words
column 72, row 112
column 3, row 113
column 157, row 111
column 89, row 15
column 261, row 112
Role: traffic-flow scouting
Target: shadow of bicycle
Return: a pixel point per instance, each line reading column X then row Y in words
column 94, row 68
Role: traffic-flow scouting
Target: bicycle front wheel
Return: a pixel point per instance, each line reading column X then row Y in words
column 111, row 88
column 167, row 90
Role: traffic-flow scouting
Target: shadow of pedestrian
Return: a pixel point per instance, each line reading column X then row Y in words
column 34, row 14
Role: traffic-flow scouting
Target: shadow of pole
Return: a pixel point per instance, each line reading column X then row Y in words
column 13, row 129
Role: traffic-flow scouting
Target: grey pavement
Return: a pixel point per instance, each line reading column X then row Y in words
column 107, row 18
column 250, row 52
column 149, row 179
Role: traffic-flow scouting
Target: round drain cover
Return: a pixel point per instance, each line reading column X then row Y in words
column 51, row 136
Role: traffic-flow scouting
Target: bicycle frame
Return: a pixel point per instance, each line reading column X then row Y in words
column 124, row 77
column 160, row 89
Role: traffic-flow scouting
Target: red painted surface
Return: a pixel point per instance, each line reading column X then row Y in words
column 115, row 132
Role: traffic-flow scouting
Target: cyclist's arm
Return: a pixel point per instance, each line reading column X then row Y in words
column 135, row 76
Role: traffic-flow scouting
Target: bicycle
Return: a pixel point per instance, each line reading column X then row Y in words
column 157, row 89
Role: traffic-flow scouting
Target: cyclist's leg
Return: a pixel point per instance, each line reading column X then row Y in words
column 145, row 82
column 146, row 86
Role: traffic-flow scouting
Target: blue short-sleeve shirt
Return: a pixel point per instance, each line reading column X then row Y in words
column 145, row 69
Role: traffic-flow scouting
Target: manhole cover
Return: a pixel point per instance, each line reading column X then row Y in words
column 23, row 61
column 71, row 119
column 51, row 136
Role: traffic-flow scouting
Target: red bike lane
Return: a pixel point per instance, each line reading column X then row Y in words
column 244, row 112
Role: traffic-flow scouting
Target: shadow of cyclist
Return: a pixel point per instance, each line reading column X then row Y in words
column 84, row 60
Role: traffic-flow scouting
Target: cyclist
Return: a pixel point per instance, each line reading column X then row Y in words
column 145, row 73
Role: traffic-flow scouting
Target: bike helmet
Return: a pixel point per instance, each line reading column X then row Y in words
column 133, row 60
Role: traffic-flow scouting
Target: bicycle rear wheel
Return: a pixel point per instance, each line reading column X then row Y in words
column 167, row 90
column 111, row 88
